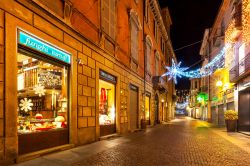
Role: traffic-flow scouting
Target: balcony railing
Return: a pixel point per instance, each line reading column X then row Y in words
column 240, row 69
column 159, row 84
column 204, row 89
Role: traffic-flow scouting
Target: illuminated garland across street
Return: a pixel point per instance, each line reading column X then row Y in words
column 176, row 71
column 181, row 105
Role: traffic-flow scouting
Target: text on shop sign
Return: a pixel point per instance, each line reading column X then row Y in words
column 39, row 45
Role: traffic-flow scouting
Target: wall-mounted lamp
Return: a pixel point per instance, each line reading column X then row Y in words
column 79, row 61
column 219, row 83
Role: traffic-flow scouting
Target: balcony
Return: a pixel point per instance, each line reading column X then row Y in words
column 159, row 84
column 204, row 89
column 240, row 70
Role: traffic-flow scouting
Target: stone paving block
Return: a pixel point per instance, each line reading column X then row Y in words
column 183, row 142
column 82, row 122
column 86, row 50
column 1, row 36
column 47, row 27
column 98, row 57
column 86, row 71
column 91, row 82
column 1, row 18
column 69, row 40
column 1, row 54
column 84, row 58
column 91, row 121
column 86, row 111
column 91, row 63
column 109, row 64
column 87, row 91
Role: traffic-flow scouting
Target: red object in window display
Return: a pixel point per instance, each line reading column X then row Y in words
column 103, row 96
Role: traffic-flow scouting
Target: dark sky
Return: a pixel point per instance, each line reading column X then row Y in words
column 190, row 18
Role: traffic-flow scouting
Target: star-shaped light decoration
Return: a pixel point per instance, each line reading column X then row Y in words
column 175, row 71
column 39, row 89
column 26, row 104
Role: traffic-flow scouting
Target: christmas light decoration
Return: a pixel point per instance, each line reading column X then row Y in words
column 39, row 89
column 176, row 71
column 26, row 104
column 181, row 105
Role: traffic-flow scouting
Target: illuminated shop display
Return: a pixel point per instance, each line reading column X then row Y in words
column 106, row 103
column 42, row 95
column 147, row 107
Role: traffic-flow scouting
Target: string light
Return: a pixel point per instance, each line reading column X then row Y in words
column 181, row 105
column 176, row 70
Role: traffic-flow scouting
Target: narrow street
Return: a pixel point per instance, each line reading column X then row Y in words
column 184, row 141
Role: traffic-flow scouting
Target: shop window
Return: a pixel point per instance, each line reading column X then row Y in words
column 42, row 95
column 106, row 103
column 147, row 109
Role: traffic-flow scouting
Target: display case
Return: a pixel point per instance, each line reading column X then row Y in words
column 42, row 89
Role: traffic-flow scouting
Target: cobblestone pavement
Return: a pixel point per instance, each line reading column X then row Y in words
column 183, row 142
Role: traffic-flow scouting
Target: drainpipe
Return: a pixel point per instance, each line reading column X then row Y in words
column 143, row 121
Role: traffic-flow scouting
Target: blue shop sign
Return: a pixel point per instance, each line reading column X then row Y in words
column 43, row 47
column 107, row 76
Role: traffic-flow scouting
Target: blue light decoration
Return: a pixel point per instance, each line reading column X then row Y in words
column 182, row 105
column 176, row 71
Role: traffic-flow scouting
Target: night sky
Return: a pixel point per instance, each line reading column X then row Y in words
column 190, row 18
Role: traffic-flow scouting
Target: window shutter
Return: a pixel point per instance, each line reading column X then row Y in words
column 112, row 19
column 134, row 41
column 146, row 11
column 105, row 16
column 108, row 17
column 148, row 57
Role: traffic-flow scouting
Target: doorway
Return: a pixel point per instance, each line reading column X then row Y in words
column 244, row 110
column 133, row 108
column 107, row 109
column 156, row 109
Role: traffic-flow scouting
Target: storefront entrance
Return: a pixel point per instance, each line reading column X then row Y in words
column 221, row 120
column 156, row 109
column 244, row 110
column 42, row 95
column 107, row 111
column 214, row 115
column 147, row 108
column 134, row 108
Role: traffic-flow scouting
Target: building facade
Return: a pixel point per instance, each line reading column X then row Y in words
column 193, row 104
column 217, row 86
column 229, row 84
column 72, row 72
column 238, row 60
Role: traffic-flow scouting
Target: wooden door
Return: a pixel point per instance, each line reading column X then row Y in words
column 133, row 109
column 244, row 110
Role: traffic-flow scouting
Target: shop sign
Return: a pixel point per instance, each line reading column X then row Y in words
column 39, row 45
column 107, row 76
column 132, row 87
column 148, row 94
